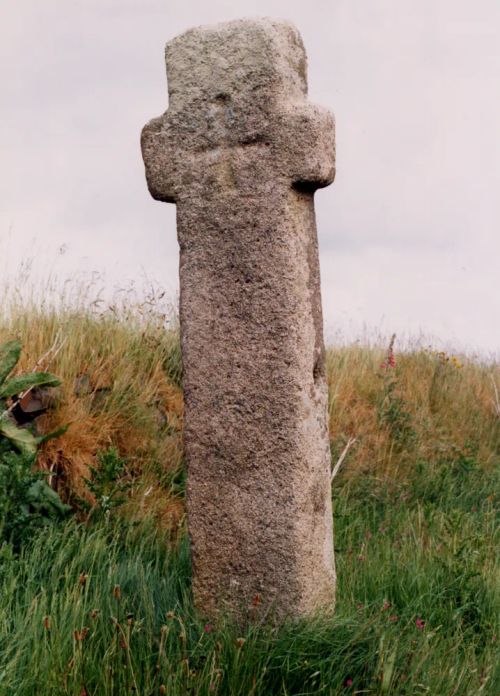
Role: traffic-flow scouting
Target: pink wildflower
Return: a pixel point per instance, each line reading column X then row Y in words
column 420, row 624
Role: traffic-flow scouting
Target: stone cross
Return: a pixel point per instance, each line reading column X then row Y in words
column 241, row 152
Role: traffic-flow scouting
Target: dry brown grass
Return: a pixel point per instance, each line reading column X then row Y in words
column 449, row 402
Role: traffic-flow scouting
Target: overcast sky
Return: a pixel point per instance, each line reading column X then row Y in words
column 409, row 232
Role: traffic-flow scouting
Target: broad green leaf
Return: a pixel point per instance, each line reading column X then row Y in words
column 9, row 356
column 52, row 435
column 44, row 499
column 17, row 385
column 21, row 438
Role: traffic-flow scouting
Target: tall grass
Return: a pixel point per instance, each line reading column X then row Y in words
column 429, row 404
column 108, row 610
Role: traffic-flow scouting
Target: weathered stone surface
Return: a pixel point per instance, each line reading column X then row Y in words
column 241, row 152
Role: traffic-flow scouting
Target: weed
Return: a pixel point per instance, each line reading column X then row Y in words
column 108, row 484
column 26, row 500
column 393, row 412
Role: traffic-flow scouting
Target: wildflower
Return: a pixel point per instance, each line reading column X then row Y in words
column 348, row 682
column 208, row 628
column 386, row 605
column 212, row 686
column 123, row 644
column 117, row 593
column 240, row 642
column 389, row 361
column 82, row 580
column 393, row 618
column 420, row 624
column 170, row 615
column 46, row 623
column 94, row 613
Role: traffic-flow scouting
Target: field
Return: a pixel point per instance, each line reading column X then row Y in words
column 99, row 603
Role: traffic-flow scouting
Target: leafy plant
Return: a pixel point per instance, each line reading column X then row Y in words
column 107, row 483
column 22, row 439
column 392, row 412
column 27, row 502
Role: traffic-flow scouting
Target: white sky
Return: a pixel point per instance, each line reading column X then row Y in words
column 409, row 233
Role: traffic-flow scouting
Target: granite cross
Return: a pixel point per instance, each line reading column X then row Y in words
column 240, row 152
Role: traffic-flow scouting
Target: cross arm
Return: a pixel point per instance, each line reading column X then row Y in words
column 309, row 140
column 159, row 160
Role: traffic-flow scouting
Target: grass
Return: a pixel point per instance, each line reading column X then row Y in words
column 105, row 608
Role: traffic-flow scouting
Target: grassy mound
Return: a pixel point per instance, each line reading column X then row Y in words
column 122, row 386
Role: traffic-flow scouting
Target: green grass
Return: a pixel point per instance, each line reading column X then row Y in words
column 417, row 613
